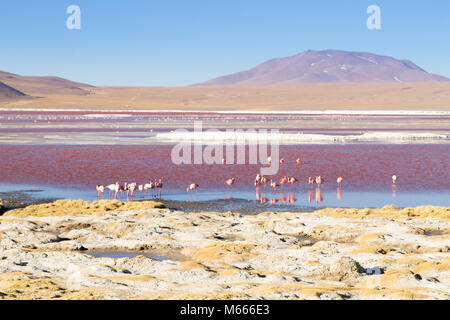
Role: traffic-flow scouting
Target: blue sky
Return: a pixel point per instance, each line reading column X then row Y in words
column 180, row 42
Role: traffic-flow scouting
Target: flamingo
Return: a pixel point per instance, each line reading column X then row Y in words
column 283, row 181
column 121, row 189
column 223, row 161
column 264, row 181
column 319, row 180
column 130, row 191
column 159, row 185
column 111, row 188
column 100, row 190
column 274, row 185
column 147, row 188
column 311, row 181
column 257, row 180
column 292, row 180
column 269, row 160
column 282, row 161
column 299, row 162
column 230, row 181
column 394, row 179
column 192, row 186
column 339, row 181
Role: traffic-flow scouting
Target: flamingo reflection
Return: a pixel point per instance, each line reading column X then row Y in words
column 258, row 195
column 291, row 198
column 339, row 193
column 310, row 195
column 319, row 197
column 283, row 197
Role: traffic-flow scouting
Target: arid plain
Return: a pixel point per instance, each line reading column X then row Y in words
column 323, row 96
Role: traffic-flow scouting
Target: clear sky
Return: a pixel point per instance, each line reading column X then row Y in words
column 180, row 42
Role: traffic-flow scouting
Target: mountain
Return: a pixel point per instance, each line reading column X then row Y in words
column 9, row 93
column 329, row 66
column 44, row 85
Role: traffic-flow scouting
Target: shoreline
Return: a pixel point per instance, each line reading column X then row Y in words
column 340, row 111
column 109, row 112
column 47, row 253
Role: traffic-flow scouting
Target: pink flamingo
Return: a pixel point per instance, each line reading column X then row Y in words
column 230, row 181
column 131, row 188
column 299, row 162
column 100, row 190
column 394, row 179
column 113, row 188
column 274, row 185
column 292, row 180
column 319, row 180
column 264, row 181
column 283, row 181
column 339, row 181
column 147, row 188
column 257, row 180
column 122, row 189
column 192, row 186
column 159, row 185
column 311, row 181
column 282, row 161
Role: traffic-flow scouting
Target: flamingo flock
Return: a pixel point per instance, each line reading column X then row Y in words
column 153, row 188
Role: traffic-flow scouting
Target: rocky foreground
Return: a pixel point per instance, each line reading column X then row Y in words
column 46, row 253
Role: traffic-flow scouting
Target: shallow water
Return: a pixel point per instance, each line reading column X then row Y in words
column 66, row 154
column 124, row 254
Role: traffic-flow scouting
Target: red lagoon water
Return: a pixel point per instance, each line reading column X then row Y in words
column 364, row 167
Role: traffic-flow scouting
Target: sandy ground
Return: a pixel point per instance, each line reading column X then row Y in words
column 322, row 96
column 383, row 253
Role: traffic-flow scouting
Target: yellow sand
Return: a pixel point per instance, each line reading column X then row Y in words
column 79, row 207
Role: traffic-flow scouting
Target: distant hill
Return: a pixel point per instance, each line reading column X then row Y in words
column 9, row 93
column 329, row 66
column 44, row 85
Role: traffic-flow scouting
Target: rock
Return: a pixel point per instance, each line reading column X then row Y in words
column 345, row 269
